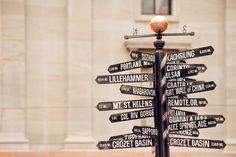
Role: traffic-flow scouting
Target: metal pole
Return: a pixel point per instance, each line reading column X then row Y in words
column 160, row 108
column 162, row 34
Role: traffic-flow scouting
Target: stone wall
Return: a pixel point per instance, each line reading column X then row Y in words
column 52, row 50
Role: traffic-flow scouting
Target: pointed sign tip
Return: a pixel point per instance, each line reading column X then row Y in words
column 223, row 118
column 98, row 145
column 205, row 67
column 122, row 87
column 109, row 69
column 111, row 119
column 98, row 106
column 211, row 47
column 224, row 144
column 97, row 79
column 206, row 101
column 214, row 84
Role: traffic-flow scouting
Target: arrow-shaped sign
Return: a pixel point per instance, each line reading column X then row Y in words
column 130, row 136
column 198, row 124
column 196, row 143
column 128, row 66
column 175, row 112
column 127, row 104
column 181, row 79
column 177, row 84
column 131, row 115
column 134, row 90
column 124, row 78
column 187, row 102
column 174, row 67
column 195, row 88
column 193, row 53
column 120, row 144
column 192, row 132
column 182, row 73
column 137, row 55
column 189, row 118
column 150, row 131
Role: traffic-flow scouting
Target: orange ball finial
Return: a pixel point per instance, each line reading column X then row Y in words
column 158, row 23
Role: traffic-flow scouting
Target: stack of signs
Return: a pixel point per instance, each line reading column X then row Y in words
column 179, row 87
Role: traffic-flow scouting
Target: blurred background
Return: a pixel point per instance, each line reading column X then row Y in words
column 51, row 51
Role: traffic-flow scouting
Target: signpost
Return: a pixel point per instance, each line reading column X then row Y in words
column 171, row 88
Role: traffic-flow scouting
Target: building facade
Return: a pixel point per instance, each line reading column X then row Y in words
column 52, row 50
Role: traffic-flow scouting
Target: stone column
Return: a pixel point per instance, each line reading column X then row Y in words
column 230, row 65
column 46, row 71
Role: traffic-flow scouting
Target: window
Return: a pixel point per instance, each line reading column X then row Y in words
column 160, row 7
column 146, row 9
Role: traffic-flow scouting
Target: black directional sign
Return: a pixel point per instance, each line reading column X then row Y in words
column 192, row 132
column 196, row 143
column 150, row 131
column 127, row 104
column 195, row 88
column 171, row 86
column 134, row 90
column 198, row 124
column 128, row 66
column 181, row 79
column 187, row 102
column 189, row 118
column 177, row 84
column 182, row 73
column 193, row 53
column 137, row 55
column 121, row 144
column 175, row 112
column 130, row 136
column 174, row 67
column 119, row 117
column 125, row 78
